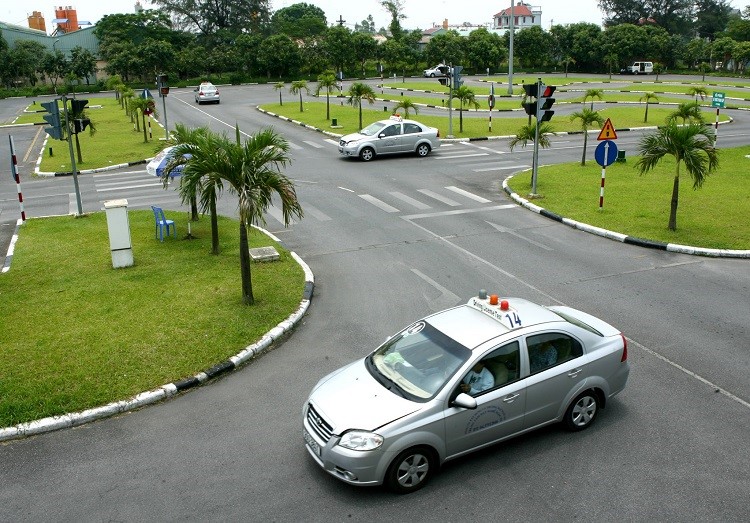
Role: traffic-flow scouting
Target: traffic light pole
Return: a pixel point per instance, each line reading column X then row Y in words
column 535, row 160
column 450, row 102
column 72, row 156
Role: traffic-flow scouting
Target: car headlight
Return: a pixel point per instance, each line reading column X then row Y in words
column 359, row 440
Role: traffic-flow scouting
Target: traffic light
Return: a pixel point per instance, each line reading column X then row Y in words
column 53, row 119
column 443, row 81
column 457, row 82
column 80, row 124
column 77, row 106
column 531, row 90
column 544, row 103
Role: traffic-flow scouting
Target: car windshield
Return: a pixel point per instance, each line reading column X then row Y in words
column 372, row 129
column 419, row 361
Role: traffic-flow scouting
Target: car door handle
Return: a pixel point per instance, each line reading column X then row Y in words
column 510, row 397
column 575, row 372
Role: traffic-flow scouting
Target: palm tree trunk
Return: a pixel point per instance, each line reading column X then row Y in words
column 194, row 209
column 675, row 196
column 247, row 284
column 300, row 102
column 645, row 118
column 214, row 226
column 360, row 114
column 328, row 106
column 585, row 141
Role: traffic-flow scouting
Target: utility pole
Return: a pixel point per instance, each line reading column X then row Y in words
column 510, row 51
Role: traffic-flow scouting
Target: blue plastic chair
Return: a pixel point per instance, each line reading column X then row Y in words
column 161, row 222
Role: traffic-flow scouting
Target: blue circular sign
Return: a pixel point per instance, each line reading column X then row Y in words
column 606, row 153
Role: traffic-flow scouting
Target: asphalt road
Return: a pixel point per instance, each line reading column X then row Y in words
column 388, row 242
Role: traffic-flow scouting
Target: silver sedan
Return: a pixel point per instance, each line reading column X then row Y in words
column 391, row 136
column 460, row 380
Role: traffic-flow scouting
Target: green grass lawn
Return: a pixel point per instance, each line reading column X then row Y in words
column 115, row 141
column 714, row 216
column 475, row 124
column 77, row 333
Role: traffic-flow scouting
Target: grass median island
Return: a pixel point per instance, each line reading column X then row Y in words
column 115, row 141
column 79, row 334
column 714, row 216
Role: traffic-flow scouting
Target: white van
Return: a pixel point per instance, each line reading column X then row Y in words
column 641, row 68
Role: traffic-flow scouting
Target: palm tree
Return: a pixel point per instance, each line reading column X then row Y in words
column 648, row 97
column 185, row 135
column 593, row 93
column 252, row 172
column 465, row 95
column 704, row 67
column 406, row 104
column 527, row 133
column 691, row 144
column 128, row 95
column 687, row 112
column 144, row 106
column 566, row 62
column 279, row 87
column 697, row 91
column 358, row 92
column 658, row 69
column 297, row 87
column 588, row 118
column 611, row 59
column 326, row 81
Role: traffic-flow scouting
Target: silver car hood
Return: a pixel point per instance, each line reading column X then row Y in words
column 355, row 136
column 351, row 398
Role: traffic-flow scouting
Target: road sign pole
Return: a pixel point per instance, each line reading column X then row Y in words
column 716, row 127
column 604, row 175
column 16, row 177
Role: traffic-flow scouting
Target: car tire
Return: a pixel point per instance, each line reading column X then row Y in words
column 582, row 411
column 432, row 75
column 423, row 150
column 367, row 154
column 411, row 470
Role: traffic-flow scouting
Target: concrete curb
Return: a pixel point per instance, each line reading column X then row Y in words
column 623, row 238
column 150, row 397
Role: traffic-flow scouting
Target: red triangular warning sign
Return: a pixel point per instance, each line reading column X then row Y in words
column 608, row 131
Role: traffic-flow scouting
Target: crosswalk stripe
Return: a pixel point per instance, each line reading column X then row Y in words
column 331, row 141
column 378, row 203
column 439, row 197
column 411, row 201
column 315, row 213
column 313, row 144
column 468, row 194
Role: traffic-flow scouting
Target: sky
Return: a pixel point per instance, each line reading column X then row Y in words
column 420, row 14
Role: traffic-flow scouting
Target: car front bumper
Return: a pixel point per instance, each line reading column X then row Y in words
column 351, row 466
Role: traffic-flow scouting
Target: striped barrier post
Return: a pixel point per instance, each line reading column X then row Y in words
column 16, row 177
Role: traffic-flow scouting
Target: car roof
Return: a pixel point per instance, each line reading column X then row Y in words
column 482, row 319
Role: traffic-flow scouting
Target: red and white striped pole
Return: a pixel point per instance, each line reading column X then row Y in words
column 16, row 177
column 604, row 172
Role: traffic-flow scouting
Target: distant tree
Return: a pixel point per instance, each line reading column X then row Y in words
column 587, row 117
column 697, row 91
column 338, row 46
column 659, row 68
column 465, row 96
column 297, row 87
column 395, row 9
column 326, row 81
column 448, row 46
column 687, row 112
column 26, row 60
column 566, row 62
column 648, row 97
column 691, row 145
column 365, row 48
column 534, row 47
column 612, row 61
column 279, row 56
column 484, row 50
column 82, row 63
column 55, row 66
column 357, row 93
column 593, row 93
column 711, row 17
column 299, row 20
column 211, row 16
column 280, row 87
column 406, row 104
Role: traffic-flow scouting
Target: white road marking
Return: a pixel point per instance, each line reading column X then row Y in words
column 440, row 198
column 468, row 194
column 313, row 144
column 378, row 203
column 411, row 201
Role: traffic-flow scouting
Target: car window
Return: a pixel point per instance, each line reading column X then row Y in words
column 495, row 370
column 372, row 129
column 392, row 130
column 419, row 361
column 412, row 128
column 550, row 349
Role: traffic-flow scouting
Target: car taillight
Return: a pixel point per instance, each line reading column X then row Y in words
column 624, row 348
column 217, row 91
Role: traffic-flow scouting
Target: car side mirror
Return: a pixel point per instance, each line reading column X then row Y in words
column 381, row 135
column 465, row 401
